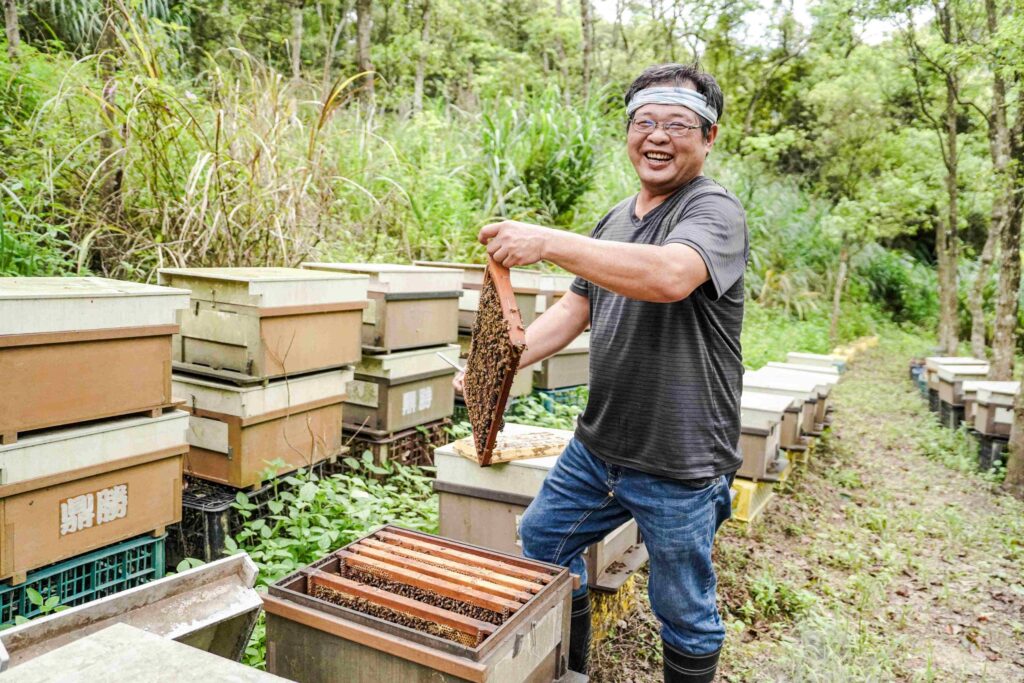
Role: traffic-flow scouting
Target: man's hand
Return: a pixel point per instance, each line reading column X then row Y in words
column 458, row 381
column 512, row 243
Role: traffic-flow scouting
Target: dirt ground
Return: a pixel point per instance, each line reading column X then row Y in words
column 886, row 558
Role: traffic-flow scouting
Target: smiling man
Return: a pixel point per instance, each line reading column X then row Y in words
column 660, row 281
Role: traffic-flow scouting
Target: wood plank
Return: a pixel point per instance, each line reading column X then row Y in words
column 459, row 567
column 463, row 624
column 429, row 578
column 451, row 551
column 463, row 587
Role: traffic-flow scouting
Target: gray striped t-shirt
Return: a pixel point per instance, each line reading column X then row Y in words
column 665, row 379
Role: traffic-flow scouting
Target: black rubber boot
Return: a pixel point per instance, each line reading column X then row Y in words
column 684, row 668
column 579, row 634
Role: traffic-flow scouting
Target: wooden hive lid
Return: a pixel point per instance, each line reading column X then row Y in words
column 499, row 339
column 396, row 278
column 268, row 287
column 952, row 373
column 39, row 305
column 762, row 402
column 803, row 367
column 932, row 362
column 822, row 378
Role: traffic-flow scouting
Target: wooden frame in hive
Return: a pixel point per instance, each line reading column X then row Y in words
column 499, row 339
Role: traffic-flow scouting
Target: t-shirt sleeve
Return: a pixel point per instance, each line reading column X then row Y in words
column 715, row 225
column 580, row 286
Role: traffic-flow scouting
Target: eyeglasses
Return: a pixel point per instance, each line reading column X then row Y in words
column 675, row 129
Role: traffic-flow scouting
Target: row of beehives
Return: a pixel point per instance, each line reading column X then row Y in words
column 958, row 391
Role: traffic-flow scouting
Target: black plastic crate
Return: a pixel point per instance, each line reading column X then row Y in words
column 414, row 446
column 950, row 415
column 992, row 451
column 933, row 400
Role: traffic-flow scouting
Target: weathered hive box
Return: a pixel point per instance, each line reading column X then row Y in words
column 762, row 409
column 409, row 306
column 759, row 444
column 400, row 605
column 570, row 367
column 399, row 390
column 818, row 359
column 993, row 415
column 823, row 384
column 74, row 489
column 799, row 389
column 78, row 349
column 525, row 283
column 268, row 322
column 235, row 431
column 483, row 506
column 950, row 380
column 932, row 363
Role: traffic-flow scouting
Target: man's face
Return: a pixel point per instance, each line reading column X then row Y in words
column 662, row 162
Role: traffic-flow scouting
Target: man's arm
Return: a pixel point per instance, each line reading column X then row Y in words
column 551, row 332
column 661, row 274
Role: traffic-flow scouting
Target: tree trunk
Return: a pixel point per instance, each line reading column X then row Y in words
column 332, row 48
column 364, row 25
column 11, row 28
column 837, row 295
column 563, row 60
column 947, row 241
column 1014, row 482
column 421, row 60
column 976, row 299
column 110, row 187
column 587, row 24
column 296, row 41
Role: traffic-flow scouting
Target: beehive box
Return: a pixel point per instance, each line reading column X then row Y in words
column 526, row 285
column 951, row 378
column 409, row 306
column 817, row 359
column 74, row 489
column 993, row 414
column 400, row 390
column 762, row 409
column 570, row 367
column 822, row 383
column 759, row 445
column 804, row 390
column 484, row 505
column 78, row 349
column 932, row 363
column 400, row 605
column 234, row 432
column 268, row 322
column 970, row 393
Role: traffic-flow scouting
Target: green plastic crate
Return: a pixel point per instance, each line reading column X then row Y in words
column 87, row 577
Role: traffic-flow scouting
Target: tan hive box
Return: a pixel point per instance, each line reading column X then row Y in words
column 970, row 392
column 78, row 349
column 760, row 440
column 993, row 414
column 483, row 506
column 268, row 322
column 118, row 486
column 570, row 367
column 766, row 408
column 950, row 379
column 396, row 391
column 235, row 431
column 409, row 306
column 799, row 389
column 525, row 283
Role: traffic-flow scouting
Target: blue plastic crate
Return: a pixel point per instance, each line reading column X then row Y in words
column 87, row 577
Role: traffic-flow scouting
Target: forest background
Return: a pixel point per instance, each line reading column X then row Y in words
column 882, row 169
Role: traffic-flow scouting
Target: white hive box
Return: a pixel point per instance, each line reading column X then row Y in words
column 235, row 431
column 409, row 306
column 819, row 359
column 802, row 367
column 525, row 283
column 759, row 446
column 483, row 506
column 761, row 410
column 825, row 382
column 570, row 367
column 950, row 379
column 268, row 322
column 798, row 389
column 396, row 391
column 932, row 363
column 970, row 392
column 69, row 490
column 79, row 349
column 993, row 414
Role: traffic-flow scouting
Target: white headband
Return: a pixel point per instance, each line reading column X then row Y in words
column 691, row 99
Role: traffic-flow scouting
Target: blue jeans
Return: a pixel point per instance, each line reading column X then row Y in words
column 583, row 499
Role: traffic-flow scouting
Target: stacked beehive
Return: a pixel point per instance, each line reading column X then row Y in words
column 557, row 377
column 525, row 283
column 92, row 447
column 993, row 420
column 784, row 406
column 262, row 364
column 401, row 397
